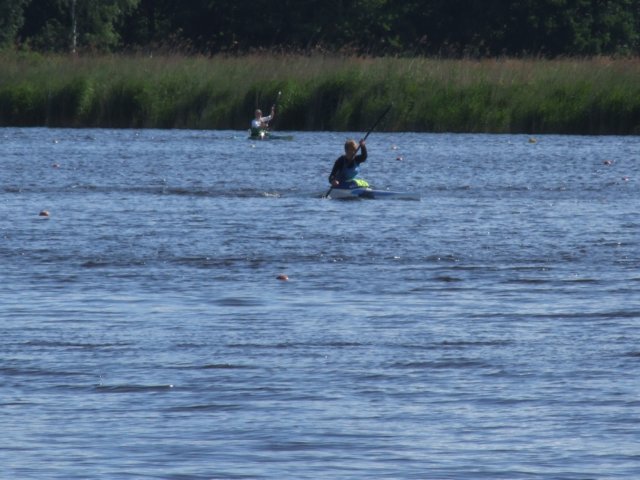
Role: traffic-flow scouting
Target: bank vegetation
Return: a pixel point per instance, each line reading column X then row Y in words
column 322, row 92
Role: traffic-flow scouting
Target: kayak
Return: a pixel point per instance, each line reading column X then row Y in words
column 371, row 193
column 266, row 135
column 258, row 135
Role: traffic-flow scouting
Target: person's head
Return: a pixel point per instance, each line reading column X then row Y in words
column 258, row 113
column 350, row 147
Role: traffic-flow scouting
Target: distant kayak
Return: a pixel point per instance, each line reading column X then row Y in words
column 266, row 135
column 371, row 193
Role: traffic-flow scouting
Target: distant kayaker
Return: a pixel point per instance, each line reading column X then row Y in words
column 347, row 167
column 259, row 124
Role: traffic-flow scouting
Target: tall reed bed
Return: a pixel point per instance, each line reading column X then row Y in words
column 588, row 96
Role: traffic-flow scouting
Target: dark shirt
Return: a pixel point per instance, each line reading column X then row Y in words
column 345, row 169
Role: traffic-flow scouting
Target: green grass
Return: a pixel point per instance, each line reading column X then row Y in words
column 578, row 96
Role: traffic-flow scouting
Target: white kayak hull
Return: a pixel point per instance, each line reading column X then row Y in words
column 371, row 193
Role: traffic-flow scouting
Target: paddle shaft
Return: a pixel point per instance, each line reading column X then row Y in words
column 365, row 137
column 273, row 107
column 277, row 98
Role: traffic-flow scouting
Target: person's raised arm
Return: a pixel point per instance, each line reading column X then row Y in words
column 363, row 155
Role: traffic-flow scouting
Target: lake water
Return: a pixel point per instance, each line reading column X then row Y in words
column 490, row 330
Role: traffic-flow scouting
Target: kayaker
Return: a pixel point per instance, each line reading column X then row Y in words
column 347, row 167
column 260, row 123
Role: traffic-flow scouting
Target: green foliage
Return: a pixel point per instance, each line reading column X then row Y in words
column 22, row 105
column 62, row 25
column 444, row 28
column 72, row 103
column 597, row 96
column 11, row 20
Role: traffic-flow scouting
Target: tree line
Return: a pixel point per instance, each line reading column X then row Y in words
column 446, row 28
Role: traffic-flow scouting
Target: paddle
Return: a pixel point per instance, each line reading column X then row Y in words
column 276, row 101
column 365, row 137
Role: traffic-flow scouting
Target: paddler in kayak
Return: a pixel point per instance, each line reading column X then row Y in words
column 347, row 167
column 260, row 124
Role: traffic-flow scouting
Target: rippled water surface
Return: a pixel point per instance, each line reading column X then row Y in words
column 490, row 330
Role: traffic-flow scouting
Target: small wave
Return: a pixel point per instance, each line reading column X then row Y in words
column 37, row 372
column 447, row 278
column 161, row 190
column 442, row 258
column 132, row 388
column 305, row 345
column 340, row 344
column 62, row 344
column 94, row 264
column 221, row 366
column 211, row 366
column 526, row 281
column 453, row 363
column 582, row 280
column 127, row 262
column 474, row 343
column 220, row 407
column 239, row 302
column 208, row 262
